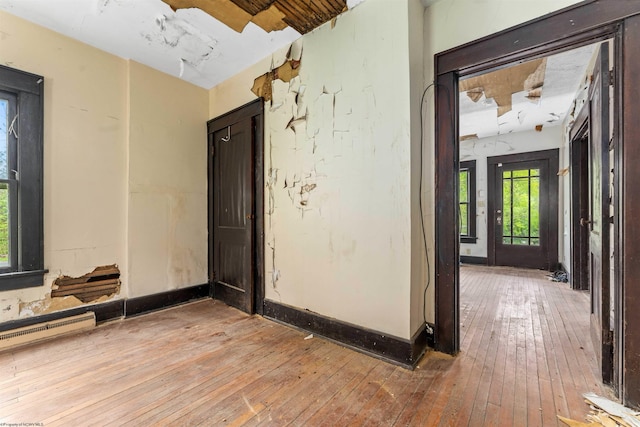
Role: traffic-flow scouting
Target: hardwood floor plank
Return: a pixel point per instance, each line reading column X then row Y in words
column 525, row 357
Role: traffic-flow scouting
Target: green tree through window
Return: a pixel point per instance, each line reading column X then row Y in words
column 521, row 207
column 467, row 201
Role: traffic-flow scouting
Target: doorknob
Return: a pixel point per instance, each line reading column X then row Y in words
column 584, row 222
column 499, row 217
column 250, row 216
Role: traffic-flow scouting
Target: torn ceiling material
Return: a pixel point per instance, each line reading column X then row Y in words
column 102, row 281
column 262, row 85
column 501, row 84
column 270, row 15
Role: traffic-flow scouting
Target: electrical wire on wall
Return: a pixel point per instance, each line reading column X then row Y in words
column 424, row 230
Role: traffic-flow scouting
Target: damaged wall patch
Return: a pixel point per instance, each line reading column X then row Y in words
column 102, row 281
column 285, row 72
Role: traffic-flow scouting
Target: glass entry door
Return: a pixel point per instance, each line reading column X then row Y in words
column 523, row 215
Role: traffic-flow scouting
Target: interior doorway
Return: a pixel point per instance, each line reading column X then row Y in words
column 562, row 92
column 591, row 22
column 235, row 206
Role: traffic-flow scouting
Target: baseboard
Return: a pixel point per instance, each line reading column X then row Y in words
column 147, row 303
column 477, row 260
column 104, row 311
column 117, row 309
column 403, row 352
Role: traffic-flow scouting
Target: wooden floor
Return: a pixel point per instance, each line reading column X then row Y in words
column 525, row 357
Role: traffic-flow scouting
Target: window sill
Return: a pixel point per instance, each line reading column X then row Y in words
column 22, row 279
column 468, row 239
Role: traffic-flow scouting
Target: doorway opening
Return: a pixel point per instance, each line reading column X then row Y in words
column 591, row 22
column 531, row 188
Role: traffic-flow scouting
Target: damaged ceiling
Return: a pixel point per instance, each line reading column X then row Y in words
column 526, row 96
column 270, row 15
column 201, row 41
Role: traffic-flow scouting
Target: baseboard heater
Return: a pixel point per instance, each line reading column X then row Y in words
column 42, row 331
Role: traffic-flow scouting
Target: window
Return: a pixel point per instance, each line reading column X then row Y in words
column 467, row 200
column 21, row 223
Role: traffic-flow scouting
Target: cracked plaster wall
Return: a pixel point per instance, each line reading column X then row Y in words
column 337, row 170
column 88, row 154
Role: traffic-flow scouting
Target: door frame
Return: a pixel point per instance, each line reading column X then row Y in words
column 579, row 153
column 551, row 156
column 578, row 25
column 254, row 110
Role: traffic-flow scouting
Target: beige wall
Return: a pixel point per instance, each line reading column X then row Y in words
column 419, row 234
column 86, row 164
column 85, row 128
column 167, row 219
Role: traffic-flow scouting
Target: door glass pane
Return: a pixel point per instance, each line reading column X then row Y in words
column 521, row 207
column 534, row 200
column 4, row 136
column 506, row 208
column 4, row 225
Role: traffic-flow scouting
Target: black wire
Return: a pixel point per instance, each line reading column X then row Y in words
column 424, row 231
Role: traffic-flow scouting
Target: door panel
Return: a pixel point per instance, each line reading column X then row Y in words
column 523, row 200
column 598, row 221
column 233, row 214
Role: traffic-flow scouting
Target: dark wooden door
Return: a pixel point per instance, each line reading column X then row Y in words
column 233, row 206
column 598, row 221
column 523, row 197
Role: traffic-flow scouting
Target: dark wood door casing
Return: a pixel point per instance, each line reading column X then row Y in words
column 578, row 25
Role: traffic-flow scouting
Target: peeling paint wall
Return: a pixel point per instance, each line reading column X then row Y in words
column 167, row 198
column 512, row 143
column 112, row 129
column 338, row 170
